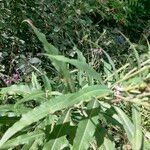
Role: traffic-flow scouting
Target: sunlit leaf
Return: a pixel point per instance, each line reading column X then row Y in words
column 35, row 83
column 126, row 122
column 79, row 64
column 86, row 127
column 138, row 136
column 57, row 137
column 22, row 139
column 107, row 145
column 47, row 84
column 17, row 89
column 54, row 105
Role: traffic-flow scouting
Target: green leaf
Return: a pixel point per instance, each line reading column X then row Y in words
column 126, row 122
column 28, row 145
column 138, row 136
column 107, row 145
column 22, row 139
column 100, row 134
column 36, row 95
column 50, row 49
column 53, row 105
column 79, row 64
column 110, row 60
column 80, row 56
column 107, row 68
column 146, row 145
column 47, row 83
column 86, row 128
column 12, row 111
column 6, row 108
column 81, row 74
column 17, row 89
column 57, row 138
column 35, row 83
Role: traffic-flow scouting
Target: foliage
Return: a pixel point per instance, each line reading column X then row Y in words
column 73, row 22
column 50, row 124
column 82, row 82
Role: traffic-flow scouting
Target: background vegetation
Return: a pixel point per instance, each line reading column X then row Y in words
column 74, row 74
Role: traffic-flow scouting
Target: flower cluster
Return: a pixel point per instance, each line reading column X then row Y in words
column 13, row 79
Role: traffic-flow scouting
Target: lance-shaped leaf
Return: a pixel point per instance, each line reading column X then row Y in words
column 58, row 136
column 28, row 145
column 38, row 96
column 50, row 49
column 19, row 89
column 79, row 64
column 53, row 105
column 47, row 84
column 86, row 128
column 107, row 145
column 138, row 136
column 126, row 122
column 10, row 111
column 22, row 139
column 35, row 83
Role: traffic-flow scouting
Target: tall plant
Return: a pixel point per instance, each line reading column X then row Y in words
column 93, row 116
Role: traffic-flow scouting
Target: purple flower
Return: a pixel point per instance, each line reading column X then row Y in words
column 9, row 80
column 15, row 77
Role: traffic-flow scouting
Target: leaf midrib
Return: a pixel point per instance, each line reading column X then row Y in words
column 88, row 121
